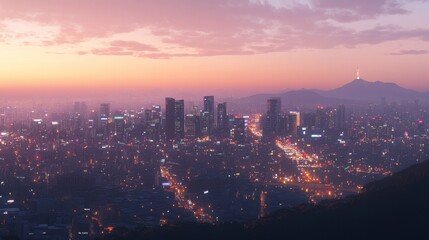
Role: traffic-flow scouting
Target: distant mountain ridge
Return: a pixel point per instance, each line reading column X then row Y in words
column 362, row 90
column 354, row 92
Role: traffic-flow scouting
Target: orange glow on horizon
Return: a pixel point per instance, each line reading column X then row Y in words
column 44, row 56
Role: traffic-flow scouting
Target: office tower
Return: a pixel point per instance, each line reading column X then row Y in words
column 76, row 116
column 274, row 106
column 222, row 118
column 294, row 123
column 169, row 118
column 2, row 118
column 205, row 123
column 190, row 125
column 197, row 126
column 238, row 130
column 271, row 120
column 322, row 120
column 195, row 110
column 148, row 115
column 104, row 114
column 209, row 107
column 119, row 124
column 80, row 114
column 309, row 120
column 105, row 110
column 282, row 127
column 341, row 118
column 179, row 116
column 156, row 113
column 92, row 119
column 331, row 114
column 84, row 111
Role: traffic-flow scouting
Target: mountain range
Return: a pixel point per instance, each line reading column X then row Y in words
column 358, row 91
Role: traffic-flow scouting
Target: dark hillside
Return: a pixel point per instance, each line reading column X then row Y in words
column 396, row 207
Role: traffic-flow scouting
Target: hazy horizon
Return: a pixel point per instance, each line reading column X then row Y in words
column 227, row 48
column 213, row 119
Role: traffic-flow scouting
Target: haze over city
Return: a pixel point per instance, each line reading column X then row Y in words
column 214, row 119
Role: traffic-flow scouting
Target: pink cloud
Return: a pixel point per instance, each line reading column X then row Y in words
column 221, row 27
column 352, row 10
column 133, row 45
column 123, row 48
column 410, row 52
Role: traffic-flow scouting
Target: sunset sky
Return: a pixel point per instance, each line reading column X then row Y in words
column 230, row 47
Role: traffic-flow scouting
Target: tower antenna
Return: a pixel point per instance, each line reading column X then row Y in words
column 357, row 72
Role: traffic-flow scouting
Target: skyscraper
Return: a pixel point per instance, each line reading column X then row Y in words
column 294, row 123
column 84, row 111
column 209, row 107
column 156, row 113
column 119, row 124
column 169, row 118
column 179, row 119
column 190, row 125
column 148, row 115
column 105, row 110
column 322, row 121
column 205, row 123
column 238, row 129
column 104, row 114
column 77, row 118
column 222, row 118
column 341, row 118
column 271, row 120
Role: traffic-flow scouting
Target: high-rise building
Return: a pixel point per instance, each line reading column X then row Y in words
column 148, row 115
column 80, row 114
column 282, row 127
column 322, row 120
column 2, row 117
column 341, row 118
column 179, row 119
column 156, row 113
column 190, row 125
column 84, row 111
column 77, row 118
column 119, row 124
column 271, row 120
column 294, row 123
column 170, row 118
column 195, row 110
column 104, row 114
column 205, row 123
column 222, row 118
column 105, row 110
column 209, row 107
column 238, row 129
column 309, row 120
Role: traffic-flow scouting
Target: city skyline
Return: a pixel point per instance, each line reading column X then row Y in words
column 214, row 119
column 75, row 46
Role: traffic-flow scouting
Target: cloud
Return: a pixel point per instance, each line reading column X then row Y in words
column 409, row 52
column 205, row 28
column 133, row 45
column 125, row 48
column 352, row 10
